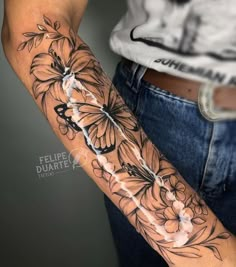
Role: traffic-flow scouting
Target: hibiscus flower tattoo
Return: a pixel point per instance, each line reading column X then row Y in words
column 144, row 175
column 150, row 191
column 61, row 63
column 67, row 60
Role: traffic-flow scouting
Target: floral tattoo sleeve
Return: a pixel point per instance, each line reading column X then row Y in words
column 152, row 194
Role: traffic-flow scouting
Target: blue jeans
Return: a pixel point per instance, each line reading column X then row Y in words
column 203, row 152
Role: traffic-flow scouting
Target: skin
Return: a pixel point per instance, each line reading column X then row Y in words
column 87, row 114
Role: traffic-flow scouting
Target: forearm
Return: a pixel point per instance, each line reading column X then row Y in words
column 91, row 119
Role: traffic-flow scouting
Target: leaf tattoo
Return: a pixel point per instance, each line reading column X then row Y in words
column 151, row 192
column 36, row 38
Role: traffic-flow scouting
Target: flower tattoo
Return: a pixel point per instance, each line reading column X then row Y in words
column 176, row 188
column 199, row 206
column 102, row 168
column 60, row 63
column 142, row 179
column 150, row 191
column 178, row 218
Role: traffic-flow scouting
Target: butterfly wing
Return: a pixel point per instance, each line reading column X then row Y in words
column 61, row 112
column 101, row 136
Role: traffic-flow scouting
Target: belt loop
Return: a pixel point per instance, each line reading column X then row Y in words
column 140, row 71
column 139, row 75
column 131, row 77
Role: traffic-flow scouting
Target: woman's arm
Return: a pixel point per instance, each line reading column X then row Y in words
column 88, row 115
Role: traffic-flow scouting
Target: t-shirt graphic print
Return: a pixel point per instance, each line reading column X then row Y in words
column 190, row 38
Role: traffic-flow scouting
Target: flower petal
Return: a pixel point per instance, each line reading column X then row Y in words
column 170, row 214
column 102, row 160
column 204, row 210
column 151, row 197
column 42, row 70
column 186, row 226
column 166, row 172
column 71, row 133
column 180, row 186
column 170, row 196
column 96, row 164
column 198, row 210
column 40, row 87
column 173, row 181
column 127, row 205
column 116, row 188
column 63, row 129
column 132, row 184
column 164, row 163
column 80, row 60
column 62, row 48
column 187, row 212
column 109, row 167
column 98, row 172
column 177, row 206
column 151, row 155
column 57, row 92
column 106, row 176
column 172, row 226
column 88, row 78
column 180, row 195
column 160, row 218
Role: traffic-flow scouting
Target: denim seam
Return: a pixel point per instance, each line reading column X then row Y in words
column 140, row 71
column 208, row 157
column 154, row 89
column 230, row 173
column 138, row 111
column 131, row 80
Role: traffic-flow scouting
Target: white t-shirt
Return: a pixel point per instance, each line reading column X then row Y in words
column 194, row 39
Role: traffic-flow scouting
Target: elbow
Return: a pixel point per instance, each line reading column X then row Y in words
column 5, row 37
column 4, row 34
column 8, row 37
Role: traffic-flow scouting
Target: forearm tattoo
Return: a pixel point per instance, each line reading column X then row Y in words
column 152, row 194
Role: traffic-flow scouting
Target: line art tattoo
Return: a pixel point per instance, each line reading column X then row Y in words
column 152, row 195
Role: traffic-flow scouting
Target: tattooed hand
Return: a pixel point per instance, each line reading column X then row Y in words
column 86, row 111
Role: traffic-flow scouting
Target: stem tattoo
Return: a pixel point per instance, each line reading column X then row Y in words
column 151, row 192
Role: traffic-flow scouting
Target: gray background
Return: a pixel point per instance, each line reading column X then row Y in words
column 58, row 221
